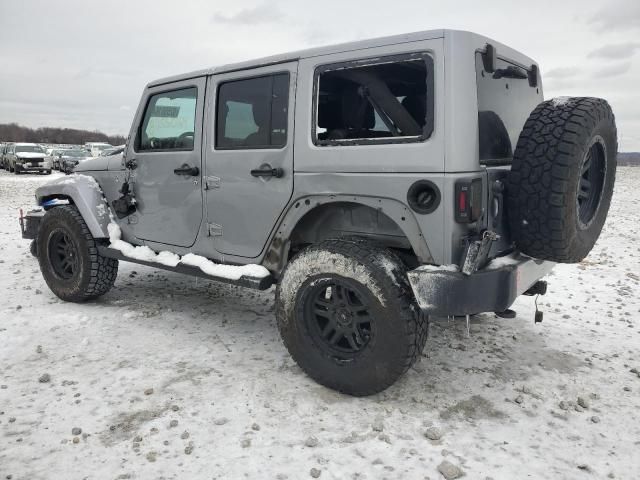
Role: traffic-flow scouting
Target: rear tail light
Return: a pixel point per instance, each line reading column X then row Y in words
column 468, row 201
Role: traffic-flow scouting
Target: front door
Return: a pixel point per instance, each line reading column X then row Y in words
column 249, row 163
column 167, row 149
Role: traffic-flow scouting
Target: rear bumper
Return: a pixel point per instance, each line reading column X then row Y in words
column 441, row 291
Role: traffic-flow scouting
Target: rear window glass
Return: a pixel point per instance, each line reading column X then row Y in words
column 504, row 104
column 374, row 100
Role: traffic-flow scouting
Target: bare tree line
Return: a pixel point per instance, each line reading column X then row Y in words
column 12, row 132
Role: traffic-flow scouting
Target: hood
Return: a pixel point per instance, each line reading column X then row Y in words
column 92, row 164
column 30, row 155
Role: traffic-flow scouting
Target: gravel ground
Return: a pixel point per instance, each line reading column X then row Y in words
column 171, row 377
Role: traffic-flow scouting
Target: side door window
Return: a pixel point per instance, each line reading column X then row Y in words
column 252, row 113
column 169, row 121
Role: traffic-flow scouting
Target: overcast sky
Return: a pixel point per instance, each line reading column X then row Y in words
column 84, row 63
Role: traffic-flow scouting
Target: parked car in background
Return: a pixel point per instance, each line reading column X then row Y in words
column 56, row 153
column 3, row 149
column 95, row 148
column 107, row 152
column 68, row 159
column 27, row 157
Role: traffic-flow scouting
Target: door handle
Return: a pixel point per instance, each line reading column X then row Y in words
column 187, row 170
column 267, row 172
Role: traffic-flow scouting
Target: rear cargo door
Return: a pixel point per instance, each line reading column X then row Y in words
column 505, row 100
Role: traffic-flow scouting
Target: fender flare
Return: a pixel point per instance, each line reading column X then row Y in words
column 276, row 255
column 86, row 194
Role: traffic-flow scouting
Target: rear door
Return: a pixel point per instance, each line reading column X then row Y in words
column 249, row 162
column 168, row 153
column 504, row 104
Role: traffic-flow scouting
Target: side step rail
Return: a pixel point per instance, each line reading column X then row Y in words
column 248, row 282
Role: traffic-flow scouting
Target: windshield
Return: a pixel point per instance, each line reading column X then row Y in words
column 29, row 148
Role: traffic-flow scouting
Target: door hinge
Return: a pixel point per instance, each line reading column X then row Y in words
column 211, row 182
column 214, row 230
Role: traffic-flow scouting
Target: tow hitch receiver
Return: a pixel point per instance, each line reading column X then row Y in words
column 538, row 288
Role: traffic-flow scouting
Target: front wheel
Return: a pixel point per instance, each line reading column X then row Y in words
column 347, row 316
column 69, row 259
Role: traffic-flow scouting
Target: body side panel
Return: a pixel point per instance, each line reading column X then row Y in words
column 422, row 156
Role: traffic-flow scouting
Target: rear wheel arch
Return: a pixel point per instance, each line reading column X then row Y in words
column 313, row 219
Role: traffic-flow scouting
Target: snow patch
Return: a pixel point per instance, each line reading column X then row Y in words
column 170, row 259
column 143, row 253
column 321, row 262
column 232, row 272
column 500, row 262
column 438, row 268
column 560, row 101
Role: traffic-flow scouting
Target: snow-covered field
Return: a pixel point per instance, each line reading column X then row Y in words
column 172, row 377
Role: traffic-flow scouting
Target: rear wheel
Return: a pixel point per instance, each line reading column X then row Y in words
column 347, row 315
column 69, row 258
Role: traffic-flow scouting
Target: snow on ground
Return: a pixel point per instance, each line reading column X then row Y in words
column 172, row 377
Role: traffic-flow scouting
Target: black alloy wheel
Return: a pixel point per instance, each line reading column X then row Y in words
column 338, row 317
column 591, row 182
column 63, row 254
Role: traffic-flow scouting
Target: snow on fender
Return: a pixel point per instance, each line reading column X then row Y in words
column 87, row 196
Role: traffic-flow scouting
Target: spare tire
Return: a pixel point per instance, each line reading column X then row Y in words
column 561, row 180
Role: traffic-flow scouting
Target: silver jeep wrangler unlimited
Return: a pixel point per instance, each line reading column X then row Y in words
column 375, row 182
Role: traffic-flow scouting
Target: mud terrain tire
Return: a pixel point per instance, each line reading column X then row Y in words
column 347, row 315
column 69, row 258
column 561, row 180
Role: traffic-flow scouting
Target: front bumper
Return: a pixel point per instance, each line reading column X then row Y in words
column 442, row 291
column 30, row 223
column 33, row 167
